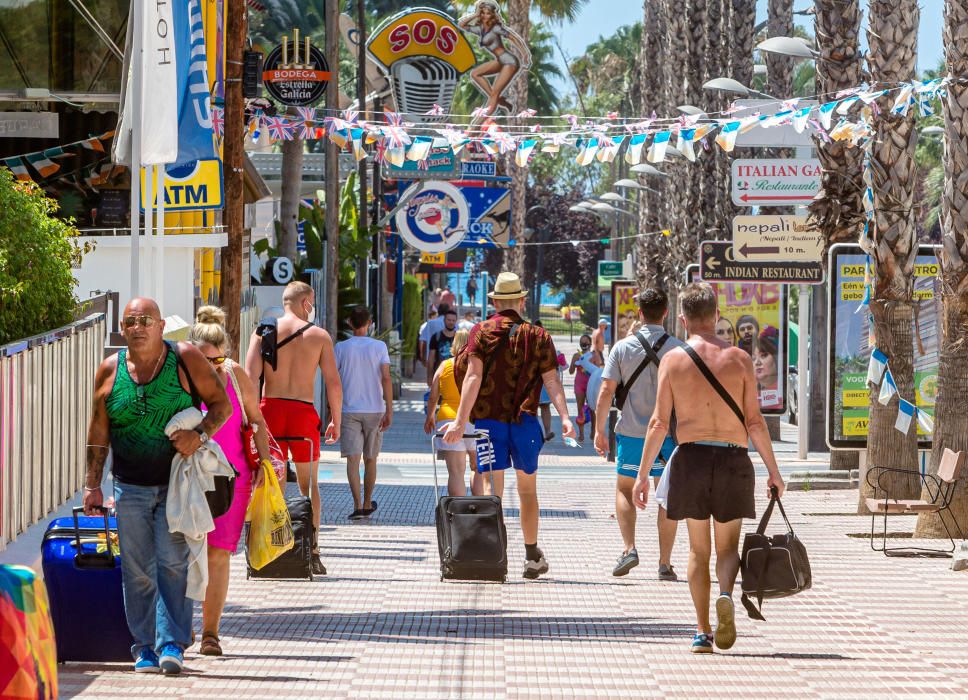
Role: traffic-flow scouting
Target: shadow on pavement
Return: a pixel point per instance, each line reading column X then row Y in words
column 444, row 626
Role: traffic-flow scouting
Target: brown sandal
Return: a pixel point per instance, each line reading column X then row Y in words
column 210, row 645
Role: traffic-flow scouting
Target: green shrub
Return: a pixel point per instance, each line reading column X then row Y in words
column 37, row 252
column 412, row 314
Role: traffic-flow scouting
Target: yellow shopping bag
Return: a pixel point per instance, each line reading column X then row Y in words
column 270, row 532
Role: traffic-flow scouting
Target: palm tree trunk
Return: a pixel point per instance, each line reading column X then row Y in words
column 292, row 167
column 779, row 68
column 893, row 36
column 520, row 21
column 837, row 210
column 649, row 270
column 714, row 160
column 951, row 407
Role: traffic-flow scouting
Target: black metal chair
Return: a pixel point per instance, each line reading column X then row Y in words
column 940, row 489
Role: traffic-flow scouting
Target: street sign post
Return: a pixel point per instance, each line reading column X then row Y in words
column 775, row 181
column 776, row 238
column 609, row 270
column 718, row 264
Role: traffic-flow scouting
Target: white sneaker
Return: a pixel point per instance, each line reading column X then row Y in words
column 534, row 569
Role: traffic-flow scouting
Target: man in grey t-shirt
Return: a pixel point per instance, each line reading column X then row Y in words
column 623, row 362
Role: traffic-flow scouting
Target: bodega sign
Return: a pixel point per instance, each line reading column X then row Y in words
column 296, row 75
column 775, row 182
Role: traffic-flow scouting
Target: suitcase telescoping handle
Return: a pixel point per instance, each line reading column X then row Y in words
column 93, row 560
column 475, row 435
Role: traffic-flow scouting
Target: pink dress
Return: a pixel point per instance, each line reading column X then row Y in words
column 228, row 527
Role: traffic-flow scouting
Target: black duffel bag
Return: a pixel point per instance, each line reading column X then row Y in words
column 772, row 567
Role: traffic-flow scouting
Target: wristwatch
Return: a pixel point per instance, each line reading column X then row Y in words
column 202, row 436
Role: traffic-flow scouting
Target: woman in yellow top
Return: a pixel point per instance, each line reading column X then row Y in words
column 443, row 389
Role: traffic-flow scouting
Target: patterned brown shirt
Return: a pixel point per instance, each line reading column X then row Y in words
column 512, row 366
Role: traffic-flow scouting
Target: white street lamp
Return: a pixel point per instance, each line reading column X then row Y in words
column 647, row 170
column 788, row 46
column 733, row 86
column 613, row 197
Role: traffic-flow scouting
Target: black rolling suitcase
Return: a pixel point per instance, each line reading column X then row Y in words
column 297, row 562
column 471, row 536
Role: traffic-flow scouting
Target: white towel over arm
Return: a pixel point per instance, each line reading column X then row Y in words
column 187, row 507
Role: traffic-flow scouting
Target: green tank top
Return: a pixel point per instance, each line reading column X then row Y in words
column 138, row 414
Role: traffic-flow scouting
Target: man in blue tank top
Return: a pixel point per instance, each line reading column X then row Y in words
column 136, row 393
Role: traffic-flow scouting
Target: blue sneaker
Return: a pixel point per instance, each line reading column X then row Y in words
column 172, row 659
column 147, row 661
column 702, row 643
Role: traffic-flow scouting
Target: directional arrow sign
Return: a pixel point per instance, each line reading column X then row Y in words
column 775, row 181
column 775, row 238
column 718, row 264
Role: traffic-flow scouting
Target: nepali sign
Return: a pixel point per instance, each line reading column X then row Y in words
column 719, row 264
column 775, row 182
column 776, row 238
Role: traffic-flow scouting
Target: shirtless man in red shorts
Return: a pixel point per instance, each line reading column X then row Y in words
column 287, row 391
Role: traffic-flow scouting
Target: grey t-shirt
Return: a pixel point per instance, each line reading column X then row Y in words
column 625, row 357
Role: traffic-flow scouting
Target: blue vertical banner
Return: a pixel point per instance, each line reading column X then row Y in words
column 196, row 139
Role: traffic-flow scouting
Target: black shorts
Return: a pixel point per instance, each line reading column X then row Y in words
column 710, row 481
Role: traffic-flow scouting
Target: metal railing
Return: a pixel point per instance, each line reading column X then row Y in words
column 46, row 391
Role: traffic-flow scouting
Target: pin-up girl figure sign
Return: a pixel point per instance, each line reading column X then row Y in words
column 509, row 51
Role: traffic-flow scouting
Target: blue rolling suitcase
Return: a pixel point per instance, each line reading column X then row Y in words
column 84, row 587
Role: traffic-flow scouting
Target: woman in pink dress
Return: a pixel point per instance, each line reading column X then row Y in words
column 209, row 335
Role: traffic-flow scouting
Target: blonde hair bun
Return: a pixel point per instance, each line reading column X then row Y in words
column 210, row 314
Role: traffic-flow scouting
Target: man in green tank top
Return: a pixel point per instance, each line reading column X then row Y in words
column 136, row 393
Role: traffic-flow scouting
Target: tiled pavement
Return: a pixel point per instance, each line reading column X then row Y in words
column 382, row 625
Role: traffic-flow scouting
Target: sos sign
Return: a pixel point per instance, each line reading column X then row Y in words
column 421, row 32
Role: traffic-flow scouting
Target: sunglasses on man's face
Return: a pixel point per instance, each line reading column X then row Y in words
column 140, row 320
column 216, row 361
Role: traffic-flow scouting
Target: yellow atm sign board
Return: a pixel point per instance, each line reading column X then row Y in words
column 197, row 185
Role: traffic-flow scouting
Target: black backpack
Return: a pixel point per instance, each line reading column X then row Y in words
column 651, row 355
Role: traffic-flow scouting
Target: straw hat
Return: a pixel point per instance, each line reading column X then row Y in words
column 508, row 286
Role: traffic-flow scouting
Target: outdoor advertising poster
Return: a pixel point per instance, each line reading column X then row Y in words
column 848, row 395
column 753, row 316
column 625, row 308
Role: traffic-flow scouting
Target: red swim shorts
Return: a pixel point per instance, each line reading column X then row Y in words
column 292, row 418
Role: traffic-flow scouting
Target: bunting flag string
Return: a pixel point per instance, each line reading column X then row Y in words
column 855, row 109
column 45, row 163
column 879, row 375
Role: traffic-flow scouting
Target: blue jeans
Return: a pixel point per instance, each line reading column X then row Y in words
column 154, row 569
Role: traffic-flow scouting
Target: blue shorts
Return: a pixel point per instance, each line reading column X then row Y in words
column 629, row 455
column 514, row 444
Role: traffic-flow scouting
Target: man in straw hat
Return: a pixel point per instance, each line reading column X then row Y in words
column 501, row 371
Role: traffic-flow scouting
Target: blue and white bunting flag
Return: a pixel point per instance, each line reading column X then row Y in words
column 524, row 152
column 727, row 136
column 905, row 413
column 587, row 151
column 657, row 150
column 800, row 118
column 904, row 100
column 925, row 422
column 633, row 154
column 888, row 388
column 876, row 367
column 826, row 113
column 420, row 148
column 684, row 144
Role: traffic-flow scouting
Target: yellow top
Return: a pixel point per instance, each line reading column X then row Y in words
column 449, row 394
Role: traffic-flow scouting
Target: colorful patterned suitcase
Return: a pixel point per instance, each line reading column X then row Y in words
column 28, row 658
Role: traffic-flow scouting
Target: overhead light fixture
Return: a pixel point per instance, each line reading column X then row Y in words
column 787, row 46
column 630, row 184
column 613, row 197
column 691, row 110
column 647, row 170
